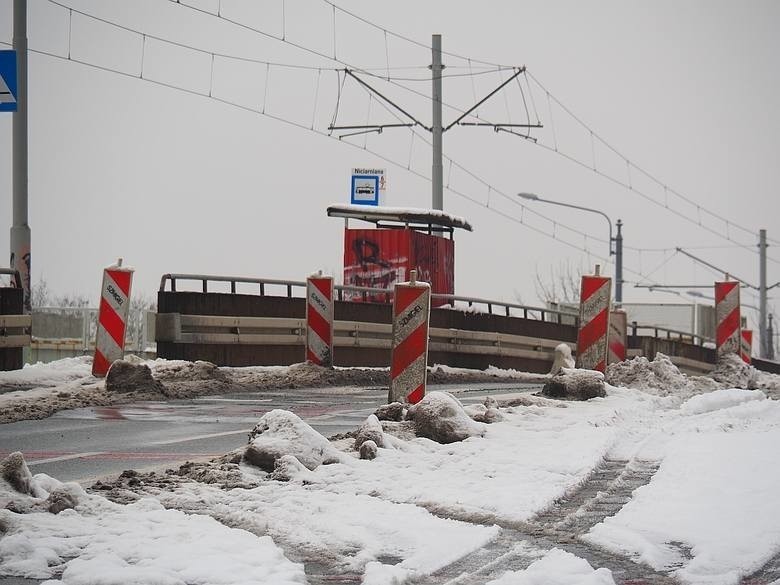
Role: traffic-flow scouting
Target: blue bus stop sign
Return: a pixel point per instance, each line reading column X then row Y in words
column 365, row 190
column 8, row 83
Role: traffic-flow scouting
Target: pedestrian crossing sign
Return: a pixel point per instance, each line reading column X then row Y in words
column 8, row 82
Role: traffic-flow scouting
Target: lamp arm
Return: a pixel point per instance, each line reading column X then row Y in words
column 601, row 213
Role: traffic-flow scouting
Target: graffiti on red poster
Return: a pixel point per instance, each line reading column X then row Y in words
column 378, row 258
column 375, row 259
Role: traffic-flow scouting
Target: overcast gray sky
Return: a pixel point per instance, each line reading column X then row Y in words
column 177, row 182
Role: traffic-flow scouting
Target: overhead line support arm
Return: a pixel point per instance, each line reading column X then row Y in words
column 389, row 101
column 486, row 98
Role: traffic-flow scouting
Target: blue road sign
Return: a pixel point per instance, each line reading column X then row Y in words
column 8, row 82
column 365, row 190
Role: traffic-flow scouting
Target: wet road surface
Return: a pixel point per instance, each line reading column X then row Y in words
column 88, row 443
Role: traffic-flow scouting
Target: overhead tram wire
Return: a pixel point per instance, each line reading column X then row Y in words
column 618, row 182
column 367, row 71
column 187, row 46
column 700, row 208
column 307, row 128
column 688, row 200
column 450, row 188
column 320, row 69
column 142, row 34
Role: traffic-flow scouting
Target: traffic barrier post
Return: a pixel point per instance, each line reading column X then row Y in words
column 747, row 345
column 727, row 334
column 618, row 326
column 593, row 334
column 319, row 320
column 112, row 317
column 409, row 358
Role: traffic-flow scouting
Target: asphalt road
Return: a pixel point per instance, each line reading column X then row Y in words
column 89, row 443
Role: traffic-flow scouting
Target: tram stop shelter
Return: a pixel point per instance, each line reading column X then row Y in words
column 401, row 240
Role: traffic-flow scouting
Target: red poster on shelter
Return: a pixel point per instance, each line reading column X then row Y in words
column 379, row 258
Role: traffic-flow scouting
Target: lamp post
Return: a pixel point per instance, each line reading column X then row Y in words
column 616, row 251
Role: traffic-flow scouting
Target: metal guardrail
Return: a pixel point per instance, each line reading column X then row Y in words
column 15, row 329
column 365, row 293
column 209, row 329
column 671, row 334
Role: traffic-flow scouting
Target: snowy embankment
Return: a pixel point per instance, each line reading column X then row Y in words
column 708, row 515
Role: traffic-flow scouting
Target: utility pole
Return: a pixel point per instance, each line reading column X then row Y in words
column 437, row 172
column 765, row 339
column 771, row 335
column 619, row 263
column 20, row 230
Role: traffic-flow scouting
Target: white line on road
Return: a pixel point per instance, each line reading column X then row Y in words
column 199, row 437
column 64, row 458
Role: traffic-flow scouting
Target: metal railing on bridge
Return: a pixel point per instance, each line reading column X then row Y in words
column 265, row 286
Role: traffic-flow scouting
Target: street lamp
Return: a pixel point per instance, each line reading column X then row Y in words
column 616, row 251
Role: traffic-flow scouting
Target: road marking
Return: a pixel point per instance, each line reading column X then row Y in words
column 65, row 458
column 200, row 437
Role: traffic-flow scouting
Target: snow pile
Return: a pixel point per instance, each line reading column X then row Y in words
column 711, row 514
column 659, row 377
column 49, row 374
column 557, row 567
column 439, row 416
column 53, row 530
column 125, row 376
column 735, row 373
column 575, row 384
column 281, row 432
column 719, row 400
column 370, row 430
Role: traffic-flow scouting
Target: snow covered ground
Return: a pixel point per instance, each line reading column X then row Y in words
column 706, row 511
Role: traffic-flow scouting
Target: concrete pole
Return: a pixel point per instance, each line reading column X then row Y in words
column 619, row 264
column 770, row 355
column 437, row 172
column 20, row 229
column 765, row 340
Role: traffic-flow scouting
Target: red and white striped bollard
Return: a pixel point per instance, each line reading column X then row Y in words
column 618, row 328
column 112, row 318
column 747, row 346
column 592, row 337
column 319, row 320
column 411, row 317
column 727, row 333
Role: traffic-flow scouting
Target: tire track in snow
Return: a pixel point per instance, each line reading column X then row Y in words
column 601, row 495
column 769, row 573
